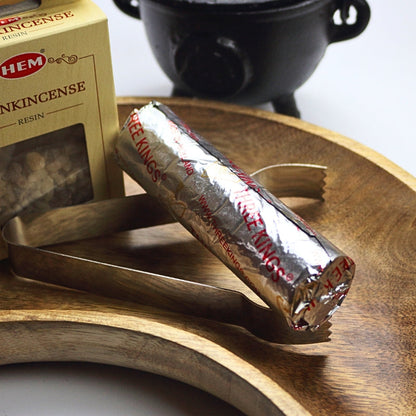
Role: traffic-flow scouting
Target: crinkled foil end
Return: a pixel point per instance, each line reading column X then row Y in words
column 319, row 297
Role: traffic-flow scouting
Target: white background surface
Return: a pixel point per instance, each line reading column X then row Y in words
column 364, row 88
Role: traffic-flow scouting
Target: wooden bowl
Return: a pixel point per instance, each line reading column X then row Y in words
column 368, row 368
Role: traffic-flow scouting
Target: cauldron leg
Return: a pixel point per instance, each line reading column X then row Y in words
column 177, row 92
column 286, row 104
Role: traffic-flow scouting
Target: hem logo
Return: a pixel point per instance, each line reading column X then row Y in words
column 8, row 20
column 22, row 65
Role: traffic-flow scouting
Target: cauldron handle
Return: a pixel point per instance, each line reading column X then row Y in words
column 344, row 30
column 129, row 7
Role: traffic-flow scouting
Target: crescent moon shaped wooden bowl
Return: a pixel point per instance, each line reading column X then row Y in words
column 369, row 366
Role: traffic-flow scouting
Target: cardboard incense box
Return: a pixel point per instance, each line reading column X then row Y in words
column 58, row 113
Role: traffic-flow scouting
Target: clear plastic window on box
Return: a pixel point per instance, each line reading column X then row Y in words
column 45, row 172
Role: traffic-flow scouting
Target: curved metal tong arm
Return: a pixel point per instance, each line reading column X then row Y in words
column 26, row 235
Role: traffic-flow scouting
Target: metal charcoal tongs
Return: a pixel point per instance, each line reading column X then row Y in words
column 27, row 235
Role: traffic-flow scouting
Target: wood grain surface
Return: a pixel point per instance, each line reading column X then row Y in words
column 369, row 366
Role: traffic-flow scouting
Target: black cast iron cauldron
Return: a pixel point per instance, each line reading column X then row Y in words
column 244, row 51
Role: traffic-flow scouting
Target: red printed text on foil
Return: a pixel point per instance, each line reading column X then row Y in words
column 143, row 148
column 222, row 240
column 250, row 182
column 261, row 239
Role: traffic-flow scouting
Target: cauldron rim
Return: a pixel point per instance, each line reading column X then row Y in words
column 237, row 5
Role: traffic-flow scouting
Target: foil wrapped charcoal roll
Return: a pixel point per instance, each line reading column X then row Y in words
column 291, row 267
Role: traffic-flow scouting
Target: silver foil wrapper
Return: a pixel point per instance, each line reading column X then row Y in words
column 291, row 267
